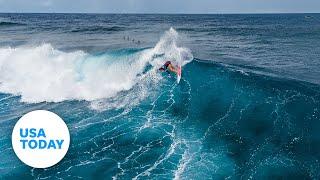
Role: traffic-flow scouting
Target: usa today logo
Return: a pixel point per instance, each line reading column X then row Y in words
column 40, row 139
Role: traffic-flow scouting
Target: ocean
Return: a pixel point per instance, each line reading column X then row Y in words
column 247, row 105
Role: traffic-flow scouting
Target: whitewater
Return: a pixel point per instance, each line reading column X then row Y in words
column 43, row 73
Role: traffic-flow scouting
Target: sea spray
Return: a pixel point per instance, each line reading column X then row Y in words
column 169, row 49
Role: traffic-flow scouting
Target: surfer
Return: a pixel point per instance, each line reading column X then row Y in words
column 169, row 67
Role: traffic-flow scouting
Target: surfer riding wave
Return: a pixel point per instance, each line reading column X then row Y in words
column 169, row 67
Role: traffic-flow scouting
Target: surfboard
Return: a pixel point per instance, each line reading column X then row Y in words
column 179, row 74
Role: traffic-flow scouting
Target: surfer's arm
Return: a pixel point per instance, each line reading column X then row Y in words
column 172, row 69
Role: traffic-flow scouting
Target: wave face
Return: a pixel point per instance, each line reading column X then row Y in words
column 219, row 122
column 128, row 121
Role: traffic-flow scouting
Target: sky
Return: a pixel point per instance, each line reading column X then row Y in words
column 161, row 6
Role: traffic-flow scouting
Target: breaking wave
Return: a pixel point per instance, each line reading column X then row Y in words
column 44, row 73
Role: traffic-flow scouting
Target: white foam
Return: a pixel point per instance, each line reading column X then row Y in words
column 168, row 46
column 44, row 73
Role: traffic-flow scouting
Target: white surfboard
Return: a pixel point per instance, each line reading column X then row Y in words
column 179, row 75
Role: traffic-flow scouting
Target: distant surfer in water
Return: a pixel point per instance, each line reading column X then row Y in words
column 169, row 67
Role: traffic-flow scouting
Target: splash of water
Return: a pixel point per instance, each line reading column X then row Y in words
column 167, row 46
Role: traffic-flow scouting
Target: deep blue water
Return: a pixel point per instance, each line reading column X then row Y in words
column 247, row 106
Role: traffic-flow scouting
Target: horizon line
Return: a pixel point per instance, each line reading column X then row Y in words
column 138, row 13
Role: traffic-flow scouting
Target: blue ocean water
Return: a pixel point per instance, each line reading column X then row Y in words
column 247, row 106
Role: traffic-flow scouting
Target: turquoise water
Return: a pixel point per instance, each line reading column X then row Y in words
column 235, row 119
